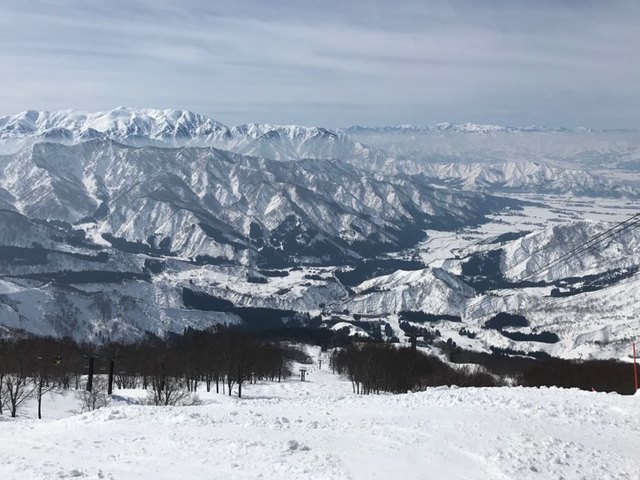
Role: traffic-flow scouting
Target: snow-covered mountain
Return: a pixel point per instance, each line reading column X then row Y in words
column 102, row 240
column 482, row 157
column 204, row 201
column 118, row 223
column 525, row 256
column 428, row 290
column 56, row 280
column 590, row 302
column 179, row 128
column 515, row 177
column 119, row 123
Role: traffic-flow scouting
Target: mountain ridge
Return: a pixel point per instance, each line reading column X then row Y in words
column 176, row 122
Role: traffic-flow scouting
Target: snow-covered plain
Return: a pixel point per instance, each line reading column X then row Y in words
column 319, row 429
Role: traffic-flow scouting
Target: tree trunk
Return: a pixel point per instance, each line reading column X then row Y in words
column 40, row 398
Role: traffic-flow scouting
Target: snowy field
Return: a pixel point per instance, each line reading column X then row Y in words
column 320, row 430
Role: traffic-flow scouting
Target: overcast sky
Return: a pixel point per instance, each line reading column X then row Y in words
column 331, row 63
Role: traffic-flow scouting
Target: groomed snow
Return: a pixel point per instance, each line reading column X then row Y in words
column 320, row 430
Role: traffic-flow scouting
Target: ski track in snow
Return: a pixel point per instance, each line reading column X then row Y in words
column 320, row 430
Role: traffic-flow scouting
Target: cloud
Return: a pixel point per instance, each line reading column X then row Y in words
column 331, row 63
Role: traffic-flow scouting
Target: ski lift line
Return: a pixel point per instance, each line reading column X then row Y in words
column 502, row 292
column 595, row 240
column 595, row 237
column 580, row 250
column 611, row 233
column 583, row 248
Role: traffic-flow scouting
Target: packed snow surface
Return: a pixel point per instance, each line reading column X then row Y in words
column 319, row 429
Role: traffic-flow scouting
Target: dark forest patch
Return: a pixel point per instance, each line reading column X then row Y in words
column 368, row 269
column 535, row 369
column 254, row 318
column 274, row 273
column 590, row 283
column 88, row 276
column 542, row 337
column 136, row 247
column 23, row 256
column 503, row 319
column 423, row 317
column 505, row 237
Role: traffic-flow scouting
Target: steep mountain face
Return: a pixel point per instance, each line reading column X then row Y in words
column 290, row 142
column 101, row 239
column 56, row 281
column 205, row 202
column 475, row 281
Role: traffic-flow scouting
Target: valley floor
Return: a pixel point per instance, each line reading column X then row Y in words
column 320, row 430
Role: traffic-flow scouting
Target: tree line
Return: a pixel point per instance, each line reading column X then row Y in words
column 170, row 372
column 382, row 367
column 531, row 370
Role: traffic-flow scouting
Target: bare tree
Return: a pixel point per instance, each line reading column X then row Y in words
column 97, row 397
column 168, row 390
column 17, row 389
column 42, row 386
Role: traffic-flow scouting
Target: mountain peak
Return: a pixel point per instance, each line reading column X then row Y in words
column 121, row 122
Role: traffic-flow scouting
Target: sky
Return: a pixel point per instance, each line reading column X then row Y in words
column 329, row 63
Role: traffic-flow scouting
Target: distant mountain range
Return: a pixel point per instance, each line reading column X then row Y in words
column 496, row 159
column 468, row 128
column 179, row 128
column 118, row 223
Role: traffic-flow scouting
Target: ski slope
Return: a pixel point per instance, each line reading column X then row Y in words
column 320, row 430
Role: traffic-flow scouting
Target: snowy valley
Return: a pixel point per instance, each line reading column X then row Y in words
column 134, row 222
column 129, row 222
